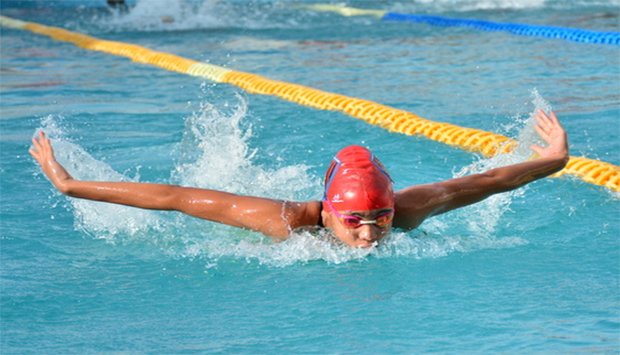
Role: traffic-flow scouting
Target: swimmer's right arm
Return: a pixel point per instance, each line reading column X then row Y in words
column 274, row 218
column 416, row 203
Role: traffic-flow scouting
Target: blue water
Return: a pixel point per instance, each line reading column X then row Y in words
column 536, row 270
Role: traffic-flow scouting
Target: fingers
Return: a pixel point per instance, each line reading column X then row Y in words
column 543, row 120
column 33, row 153
column 547, row 125
column 41, row 147
column 542, row 132
column 36, row 146
column 547, row 120
column 551, row 131
column 41, row 141
column 554, row 118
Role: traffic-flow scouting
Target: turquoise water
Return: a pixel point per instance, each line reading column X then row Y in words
column 536, row 270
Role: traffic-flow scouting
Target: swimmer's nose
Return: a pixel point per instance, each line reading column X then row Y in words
column 367, row 232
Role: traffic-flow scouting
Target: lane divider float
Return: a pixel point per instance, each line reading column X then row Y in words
column 570, row 34
column 395, row 120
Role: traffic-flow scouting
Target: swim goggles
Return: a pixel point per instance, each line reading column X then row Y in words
column 351, row 221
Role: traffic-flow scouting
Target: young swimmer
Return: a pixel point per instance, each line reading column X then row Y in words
column 358, row 205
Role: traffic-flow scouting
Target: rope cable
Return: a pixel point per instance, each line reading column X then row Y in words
column 392, row 119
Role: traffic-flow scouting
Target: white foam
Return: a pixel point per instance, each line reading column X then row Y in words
column 304, row 247
column 182, row 15
column 178, row 15
column 99, row 219
column 482, row 218
column 473, row 5
column 215, row 153
column 165, row 15
column 469, row 5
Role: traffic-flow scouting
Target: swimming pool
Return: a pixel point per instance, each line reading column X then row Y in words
column 536, row 270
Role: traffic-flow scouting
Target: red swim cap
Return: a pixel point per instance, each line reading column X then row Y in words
column 357, row 181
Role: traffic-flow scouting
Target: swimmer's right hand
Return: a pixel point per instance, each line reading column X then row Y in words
column 43, row 153
column 551, row 131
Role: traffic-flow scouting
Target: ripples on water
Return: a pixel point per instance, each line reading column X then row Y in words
column 533, row 270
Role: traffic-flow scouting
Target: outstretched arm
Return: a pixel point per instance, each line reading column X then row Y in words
column 416, row 203
column 274, row 218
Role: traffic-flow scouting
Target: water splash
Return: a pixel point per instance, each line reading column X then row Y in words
column 215, row 153
column 470, row 5
column 184, row 15
column 482, row 218
column 166, row 15
column 179, row 15
column 102, row 220
column 474, row 5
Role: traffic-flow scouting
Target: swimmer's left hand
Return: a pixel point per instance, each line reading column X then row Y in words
column 551, row 131
column 43, row 153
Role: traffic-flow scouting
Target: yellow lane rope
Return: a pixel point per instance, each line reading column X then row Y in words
column 394, row 120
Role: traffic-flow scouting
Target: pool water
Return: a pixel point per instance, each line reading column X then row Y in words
column 534, row 270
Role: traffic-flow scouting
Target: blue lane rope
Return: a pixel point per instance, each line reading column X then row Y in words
column 571, row 34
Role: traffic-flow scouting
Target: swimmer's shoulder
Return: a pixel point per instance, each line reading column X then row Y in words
column 414, row 204
column 304, row 214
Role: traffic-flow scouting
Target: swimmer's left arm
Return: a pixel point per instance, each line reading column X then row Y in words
column 416, row 203
column 274, row 218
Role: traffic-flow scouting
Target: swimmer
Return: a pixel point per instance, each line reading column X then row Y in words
column 359, row 205
column 117, row 5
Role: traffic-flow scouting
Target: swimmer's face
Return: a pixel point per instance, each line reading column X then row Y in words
column 365, row 234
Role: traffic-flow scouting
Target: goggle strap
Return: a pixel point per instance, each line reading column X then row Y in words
column 379, row 166
column 331, row 177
